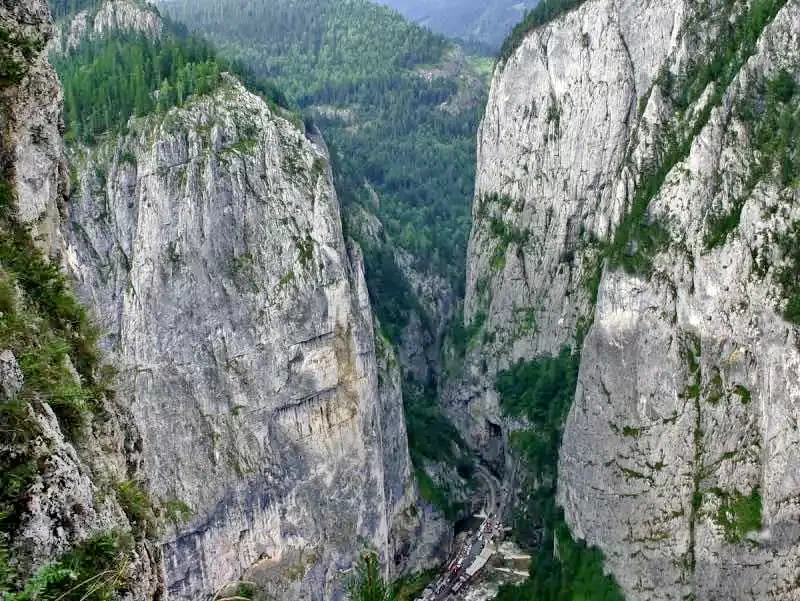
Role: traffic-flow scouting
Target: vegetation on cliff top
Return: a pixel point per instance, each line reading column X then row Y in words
column 399, row 107
column 109, row 80
column 545, row 11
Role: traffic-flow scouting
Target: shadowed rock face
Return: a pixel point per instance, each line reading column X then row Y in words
column 687, row 393
column 209, row 242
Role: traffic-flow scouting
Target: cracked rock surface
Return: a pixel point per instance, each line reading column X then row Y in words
column 209, row 242
column 687, row 398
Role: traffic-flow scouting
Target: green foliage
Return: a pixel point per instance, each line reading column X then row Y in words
column 138, row 506
column 107, row 81
column 542, row 391
column 591, row 283
column 16, row 53
column 460, row 337
column 527, row 321
column 390, row 292
column 744, row 394
column 738, row 514
column 177, row 512
column 576, row 575
column 638, row 237
column 774, row 122
column 305, row 250
column 545, row 11
column 438, row 496
column 410, row 587
column 368, row 584
column 46, row 329
column 430, row 434
column 18, row 466
column 315, row 44
column 95, row 570
column 505, row 234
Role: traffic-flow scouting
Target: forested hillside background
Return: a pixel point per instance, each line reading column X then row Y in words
column 486, row 22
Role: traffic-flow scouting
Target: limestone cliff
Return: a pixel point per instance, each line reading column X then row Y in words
column 208, row 240
column 60, row 466
column 636, row 193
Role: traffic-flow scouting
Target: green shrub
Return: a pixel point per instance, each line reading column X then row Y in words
column 368, row 583
column 177, row 512
column 95, row 570
column 744, row 394
column 788, row 275
column 738, row 514
column 138, row 506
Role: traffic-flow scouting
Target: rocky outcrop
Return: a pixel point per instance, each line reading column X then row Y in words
column 632, row 193
column 32, row 99
column 688, row 390
column 112, row 16
column 209, row 242
column 59, row 490
column 546, row 187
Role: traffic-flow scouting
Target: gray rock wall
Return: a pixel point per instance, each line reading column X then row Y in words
column 656, row 449
column 657, row 453
column 71, row 498
column 209, row 242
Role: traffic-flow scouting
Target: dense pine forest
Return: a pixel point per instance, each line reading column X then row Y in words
column 108, row 81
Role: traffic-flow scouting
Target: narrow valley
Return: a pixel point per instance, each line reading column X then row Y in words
column 303, row 300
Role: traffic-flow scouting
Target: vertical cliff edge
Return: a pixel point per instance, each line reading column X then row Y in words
column 636, row 201
column 209, row 242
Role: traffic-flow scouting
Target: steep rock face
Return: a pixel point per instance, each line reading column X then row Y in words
column 552, row 174
column 420, row 341
column 683, row 433
column 679, row 440
column 31, row 120
column 209, row 241
column 69, row 498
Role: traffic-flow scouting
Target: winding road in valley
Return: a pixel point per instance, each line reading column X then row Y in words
column 472, row 555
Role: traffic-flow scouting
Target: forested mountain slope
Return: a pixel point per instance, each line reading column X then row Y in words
column 487, row 22
column 632, row 298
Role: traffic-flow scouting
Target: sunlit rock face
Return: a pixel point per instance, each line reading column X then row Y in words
column 681, row 435
column 209, row 242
